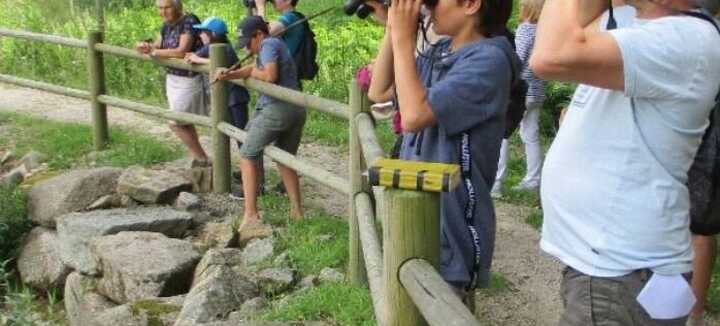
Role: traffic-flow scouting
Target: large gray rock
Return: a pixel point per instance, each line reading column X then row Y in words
column 152, row 186
column 220, row 286
column 82, row 303
column 137, row 265
column 332, row 275
column 147, row 312
column 70, row 192
column 257, row 251
column 39, row 263
column 33, row 160
column 215, row 235
column 76, row 230
column 105, row 202
column 274, row 281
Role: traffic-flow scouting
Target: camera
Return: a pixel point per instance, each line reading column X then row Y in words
column 362, row 10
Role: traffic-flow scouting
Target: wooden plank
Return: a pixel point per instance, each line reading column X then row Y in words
column 356, row 265
column 222, row 167
column 372, row 252
column 155, row 111
column 411, row 230
column 132, row 54
column 66, row 91
column 44, row 38
column 319, row 175
column 96, row 81
column 371, row 148
column 334, row 108
column 433, row 296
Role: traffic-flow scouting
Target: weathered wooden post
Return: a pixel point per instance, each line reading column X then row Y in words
column 100, row 15
column 411, row 231
column 96, row 80
column 356, row 265
column 219, row 104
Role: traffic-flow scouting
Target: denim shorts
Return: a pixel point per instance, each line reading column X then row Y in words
column 612, row 301
column 279, row 123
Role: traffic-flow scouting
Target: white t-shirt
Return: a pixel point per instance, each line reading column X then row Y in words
column 613, row 190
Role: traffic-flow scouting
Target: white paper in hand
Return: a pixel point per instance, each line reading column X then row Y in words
column 667, row 297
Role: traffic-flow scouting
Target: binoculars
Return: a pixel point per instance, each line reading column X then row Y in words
column 362, row 10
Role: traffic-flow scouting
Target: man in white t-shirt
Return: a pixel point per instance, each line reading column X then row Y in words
column 614, row 195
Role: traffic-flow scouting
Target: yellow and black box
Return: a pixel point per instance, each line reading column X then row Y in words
column 413, row 175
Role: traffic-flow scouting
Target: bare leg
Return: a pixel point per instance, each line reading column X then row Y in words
column 249, row 170
column 292, row 184
column 188, row 135
column 705, row 248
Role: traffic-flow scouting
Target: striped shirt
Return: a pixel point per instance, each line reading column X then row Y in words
column 524, row 43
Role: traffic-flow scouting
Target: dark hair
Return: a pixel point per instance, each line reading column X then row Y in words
column 494, row 16
column 294, row 3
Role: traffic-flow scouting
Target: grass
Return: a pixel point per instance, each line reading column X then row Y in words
column 13, row 221
column 498, row 285
column 69, row 144
column 21, row 306
column 336, row 302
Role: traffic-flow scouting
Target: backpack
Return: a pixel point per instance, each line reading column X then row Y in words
column 518, row 92
column 704, row 174
column 306, row 56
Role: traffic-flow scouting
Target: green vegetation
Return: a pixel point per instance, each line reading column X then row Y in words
column 69, row 144
column 13, row 221
column 21, row 306
column 498, row 285
column 345, row 305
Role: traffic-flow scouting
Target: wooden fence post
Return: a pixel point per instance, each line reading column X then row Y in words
column 412, row 230
column 219, row 104
column 100, row 15
column 357, row 274
column 96, row 80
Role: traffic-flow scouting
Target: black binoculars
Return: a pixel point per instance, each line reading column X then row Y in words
column 362, row 10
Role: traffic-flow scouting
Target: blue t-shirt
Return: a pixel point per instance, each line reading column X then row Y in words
column 468, row 91
column 293, row 37
column 274, row 50
column 238, row 95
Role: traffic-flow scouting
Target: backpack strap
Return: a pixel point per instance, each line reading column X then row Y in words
column 611, row 23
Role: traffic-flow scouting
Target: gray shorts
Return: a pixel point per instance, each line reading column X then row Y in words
column 278, row 123
column 608, row 301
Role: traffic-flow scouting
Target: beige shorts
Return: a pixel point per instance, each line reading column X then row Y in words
column 187, row 95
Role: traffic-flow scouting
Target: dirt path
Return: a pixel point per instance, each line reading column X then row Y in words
column 533, row 279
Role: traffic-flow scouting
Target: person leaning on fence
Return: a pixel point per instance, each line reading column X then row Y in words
column 530, row 124
column 452, row 99
column 212, row 31
column 614, row 198
column 274, row 121
column 184, row 89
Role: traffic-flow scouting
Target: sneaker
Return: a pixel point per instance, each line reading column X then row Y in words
column 526, row 186
column 237, row 194
column 496, row 192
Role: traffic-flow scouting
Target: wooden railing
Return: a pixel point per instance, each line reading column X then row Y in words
column 401, row 271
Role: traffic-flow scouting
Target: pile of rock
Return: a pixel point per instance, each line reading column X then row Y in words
column 121, row 258
column 13, row 172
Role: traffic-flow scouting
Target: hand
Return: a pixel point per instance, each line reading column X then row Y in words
column 404, row 16
column 221, row 74
column 380, row 12
column 244, row 72
column 143, row 47
column 191, row 58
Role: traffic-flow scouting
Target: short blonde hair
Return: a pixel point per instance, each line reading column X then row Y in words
column 530, row 10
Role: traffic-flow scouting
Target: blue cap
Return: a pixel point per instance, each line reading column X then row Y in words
column 214, row 25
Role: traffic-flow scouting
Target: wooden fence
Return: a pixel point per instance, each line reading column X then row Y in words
column 400, row 271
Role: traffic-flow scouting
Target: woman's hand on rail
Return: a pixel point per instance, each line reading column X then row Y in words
column 144, row 47
column 193, row 58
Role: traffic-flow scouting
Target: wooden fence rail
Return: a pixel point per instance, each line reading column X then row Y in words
column 401, row 273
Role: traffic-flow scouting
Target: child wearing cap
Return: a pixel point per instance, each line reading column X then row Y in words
column 275, row 121
column 214, row 30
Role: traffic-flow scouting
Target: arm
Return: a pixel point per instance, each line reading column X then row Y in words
column 186, row 43
column 567, row 50
column 276, row 27
column 412, row 96
column 383, row 74
column 269, row 73
column 196, row 59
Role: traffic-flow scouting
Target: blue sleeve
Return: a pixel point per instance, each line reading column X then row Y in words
column 288, row 19
column 203, row 52
column 269, row 52
column 475, row 89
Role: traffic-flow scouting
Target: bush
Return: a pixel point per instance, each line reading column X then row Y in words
column 13, row 221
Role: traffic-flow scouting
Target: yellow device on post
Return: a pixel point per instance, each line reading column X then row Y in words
column 413, row 175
